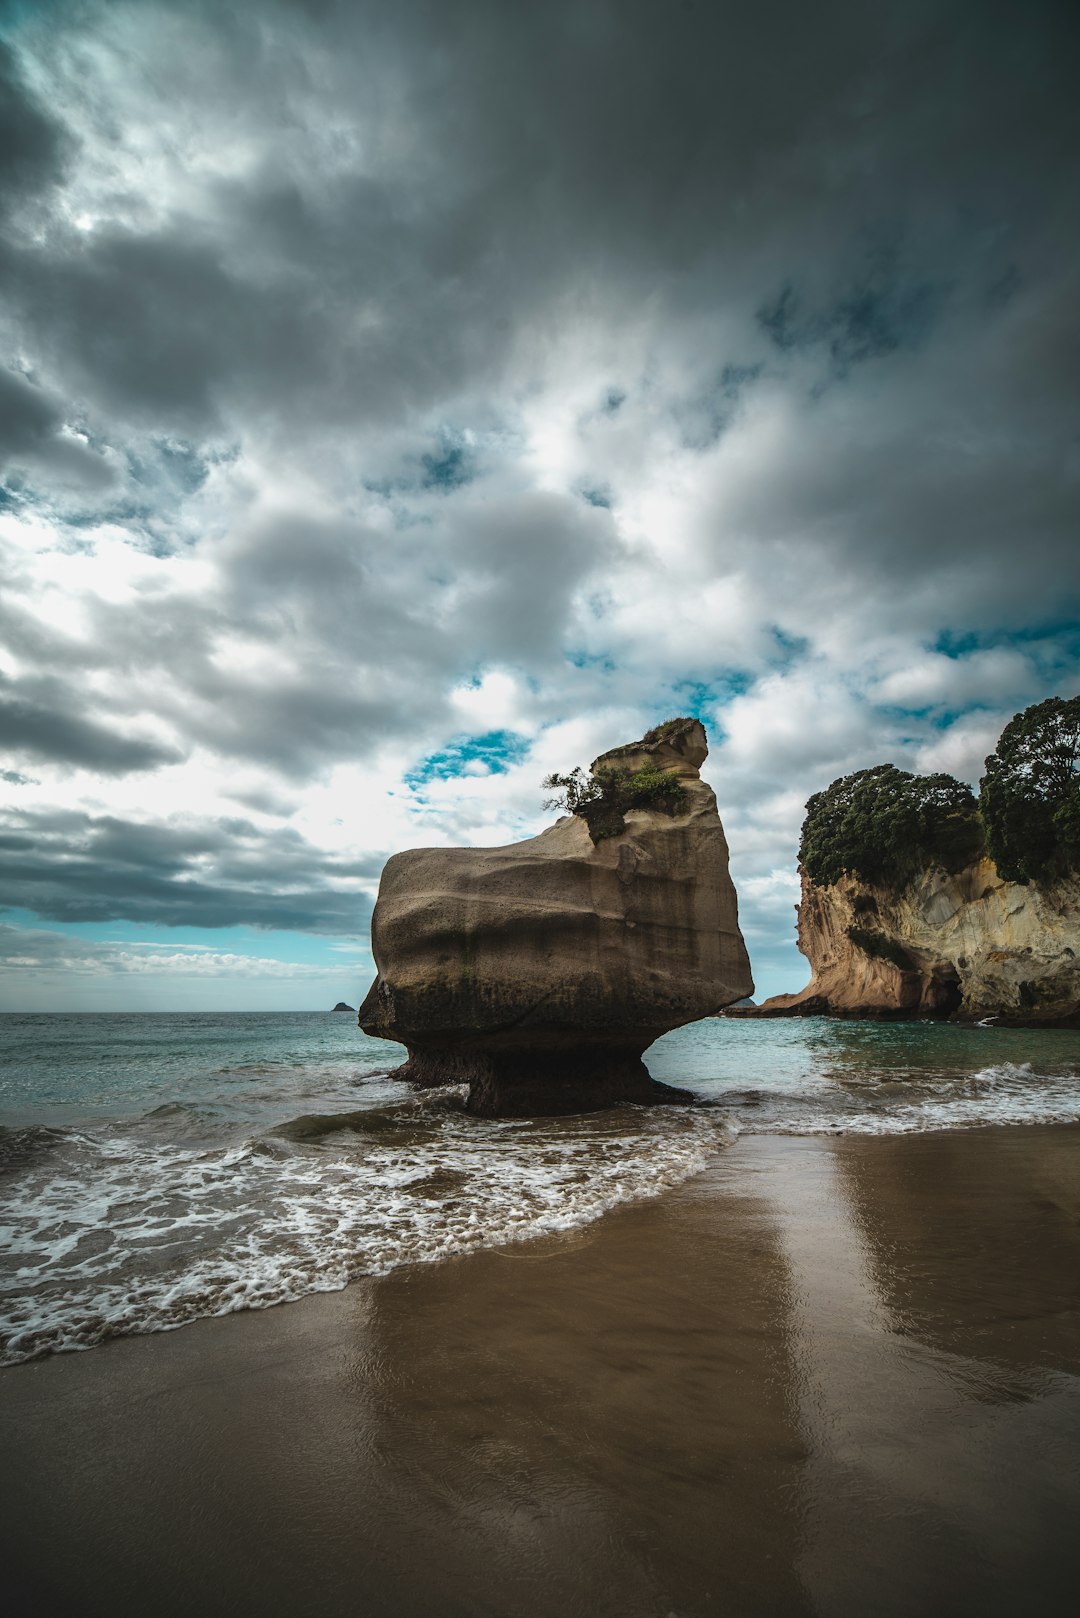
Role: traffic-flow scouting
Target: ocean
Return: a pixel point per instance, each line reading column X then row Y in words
column 155, row 1169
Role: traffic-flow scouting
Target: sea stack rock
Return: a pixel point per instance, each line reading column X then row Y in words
column 540, row 972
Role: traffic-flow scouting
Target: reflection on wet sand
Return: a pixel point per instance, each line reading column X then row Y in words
column 938, row 1342
column 827, row 1377
column 606, row 1426
column 974, row 1252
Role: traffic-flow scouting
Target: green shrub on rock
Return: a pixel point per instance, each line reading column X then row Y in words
column 603, row 796
column 885, row 826
column 1030, row 794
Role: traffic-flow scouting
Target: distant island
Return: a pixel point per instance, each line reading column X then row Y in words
column 921, row 900
column 341, row 1006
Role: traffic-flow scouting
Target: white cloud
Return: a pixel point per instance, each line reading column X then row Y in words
column 932, row 680
column 807, row 720
column 60, row 955
column 961, row 750
column 435, row 398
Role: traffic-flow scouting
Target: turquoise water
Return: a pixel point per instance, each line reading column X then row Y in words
column 250, row 1065
column 159, row 1168
column 808, row 1075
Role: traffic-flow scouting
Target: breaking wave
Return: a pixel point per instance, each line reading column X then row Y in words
column 148, row 1236
column 1003, row 1093
column 156, row 1170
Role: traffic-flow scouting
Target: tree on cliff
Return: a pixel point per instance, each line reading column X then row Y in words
column 885, row 825
column 611, row 787
column 602, row 797
column 1030, row 794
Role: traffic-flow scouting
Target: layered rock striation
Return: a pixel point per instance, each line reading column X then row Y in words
column 967, row 945
column 540, row 972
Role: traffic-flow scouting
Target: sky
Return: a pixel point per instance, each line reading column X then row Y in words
column 400, row 401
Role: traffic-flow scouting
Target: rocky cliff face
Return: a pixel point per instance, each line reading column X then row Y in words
column 540, row 972
column 968, row 945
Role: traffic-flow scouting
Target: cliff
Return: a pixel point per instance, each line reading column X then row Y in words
column 968, row 945
column 539, row 972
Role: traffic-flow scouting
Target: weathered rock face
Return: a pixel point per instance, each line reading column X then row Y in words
column 541, row 971
column 968, row 945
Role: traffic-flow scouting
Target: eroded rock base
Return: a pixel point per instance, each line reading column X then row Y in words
column 541, row 1084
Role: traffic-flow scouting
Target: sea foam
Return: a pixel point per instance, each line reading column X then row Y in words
column 132, row 1236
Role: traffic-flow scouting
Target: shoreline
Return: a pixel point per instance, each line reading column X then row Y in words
column 820, row 1006
column 830, row 1375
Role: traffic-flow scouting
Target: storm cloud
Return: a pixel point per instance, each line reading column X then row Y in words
column 67, row 866
column 398, row 402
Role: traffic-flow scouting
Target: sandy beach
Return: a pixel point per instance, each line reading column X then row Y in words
column 837, row 1376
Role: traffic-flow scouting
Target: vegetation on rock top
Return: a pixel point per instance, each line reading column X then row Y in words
column 1030, row 794
column 886, row 825
column 670, row 727
column 603, row 797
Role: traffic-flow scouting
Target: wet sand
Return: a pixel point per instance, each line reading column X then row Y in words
column 829, row 1376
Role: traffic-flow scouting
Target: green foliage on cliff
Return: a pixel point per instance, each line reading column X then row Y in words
column 1030, row 794
column 603, row 796
column 885, row 825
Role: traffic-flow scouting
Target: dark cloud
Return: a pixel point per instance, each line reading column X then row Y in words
column 622, row 349
column 524, row 153
column 835, row 168
column 382, row 637
column 27, row 415
column 72, row 867
column 36, row 729
column 32, row 144
column 874, row 317
column 32, row 438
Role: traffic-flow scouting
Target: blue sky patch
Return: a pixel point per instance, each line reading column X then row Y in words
column 699, row 699
column 497, row 750
column 579, row 659
column 789, row 647
column 446, row 471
